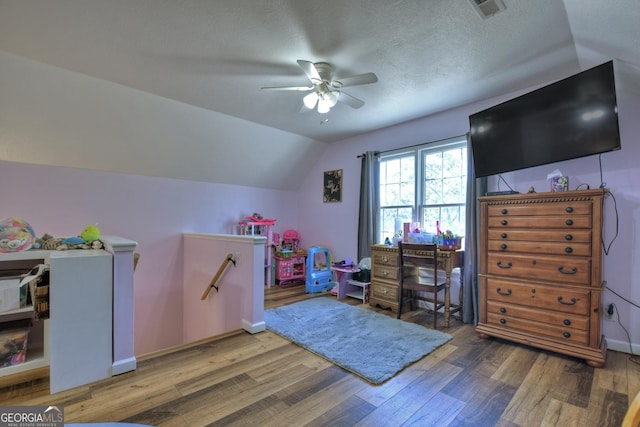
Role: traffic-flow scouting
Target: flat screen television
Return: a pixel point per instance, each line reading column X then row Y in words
column 571, row 118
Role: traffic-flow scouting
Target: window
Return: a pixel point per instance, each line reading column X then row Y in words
column 424, row 185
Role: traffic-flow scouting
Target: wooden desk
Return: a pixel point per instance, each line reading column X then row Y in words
column 385, row 276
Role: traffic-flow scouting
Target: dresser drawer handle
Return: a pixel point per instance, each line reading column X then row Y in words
column 385, row 259
column 568, row 249
column 568, row 237
column 569, row 222
column 385, row 291
column 566, row 334
column 504, row 235
column 503, row 321
column 573, row 270
column 499, row 290
column 385, row 273
column 503, row 310
column 567, row 322
column 569, row 209
column 505, row 211
column 503, row 246
column 504, row 222
column 508, row 265
column 573, row 301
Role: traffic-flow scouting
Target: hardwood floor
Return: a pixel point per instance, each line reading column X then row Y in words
column 264, row 380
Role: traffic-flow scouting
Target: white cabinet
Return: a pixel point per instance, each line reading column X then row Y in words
column 76, row 341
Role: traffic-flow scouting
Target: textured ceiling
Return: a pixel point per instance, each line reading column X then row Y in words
column 429, row 55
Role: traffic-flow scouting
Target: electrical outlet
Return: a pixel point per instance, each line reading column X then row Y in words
column 610, row 311
column 236, row 258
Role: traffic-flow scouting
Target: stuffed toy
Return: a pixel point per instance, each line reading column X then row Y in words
column 90, row 233
column 16, row 235
column 48, row 242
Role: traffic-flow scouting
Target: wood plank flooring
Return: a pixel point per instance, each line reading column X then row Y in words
column 264, row 380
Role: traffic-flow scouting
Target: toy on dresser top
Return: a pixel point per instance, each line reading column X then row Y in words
column 88, row 239
column 16, row 235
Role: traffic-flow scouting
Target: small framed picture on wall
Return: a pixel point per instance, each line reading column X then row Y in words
column 332, row 191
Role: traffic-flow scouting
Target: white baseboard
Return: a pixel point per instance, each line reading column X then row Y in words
column 253, row 328
column 622, row 346
column 124, row 365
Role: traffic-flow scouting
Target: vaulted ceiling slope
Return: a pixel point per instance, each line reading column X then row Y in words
column 429, row 55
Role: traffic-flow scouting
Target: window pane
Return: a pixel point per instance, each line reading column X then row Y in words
column 453, row 219
column 393, row 220
column 397, row 181
column 450, row 218
column 429, row 218
column 445, row 177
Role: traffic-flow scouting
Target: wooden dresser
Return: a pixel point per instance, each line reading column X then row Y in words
column 540, row 271
column 385, row 276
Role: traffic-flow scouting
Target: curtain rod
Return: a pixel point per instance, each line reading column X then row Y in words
column 416, row 145
column 363, row 154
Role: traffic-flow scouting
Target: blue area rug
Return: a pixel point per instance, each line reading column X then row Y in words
column 371, row 345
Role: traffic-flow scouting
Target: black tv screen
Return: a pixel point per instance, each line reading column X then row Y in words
column 574, row 117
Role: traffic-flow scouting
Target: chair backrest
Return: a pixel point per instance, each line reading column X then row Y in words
column 417, row 255
column 632, row 417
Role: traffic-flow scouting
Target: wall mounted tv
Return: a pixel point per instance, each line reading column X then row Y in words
column 574, row 117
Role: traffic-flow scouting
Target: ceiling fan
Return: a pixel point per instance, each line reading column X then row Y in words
column 326, row 91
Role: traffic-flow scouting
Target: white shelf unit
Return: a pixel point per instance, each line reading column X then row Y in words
column 76, row 341
column 359, row 290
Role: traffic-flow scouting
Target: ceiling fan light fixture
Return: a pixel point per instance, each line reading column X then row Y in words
column 324, row 106
column 331, row 98
column 325, row 91
column 310, row 100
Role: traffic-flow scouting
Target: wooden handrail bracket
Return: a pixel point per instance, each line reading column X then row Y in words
column 215, row 278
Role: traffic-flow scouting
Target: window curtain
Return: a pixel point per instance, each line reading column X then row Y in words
column 367, row 224
column 475, row 187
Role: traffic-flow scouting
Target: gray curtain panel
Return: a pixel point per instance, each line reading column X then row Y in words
column 475, row 187
column 367, row 224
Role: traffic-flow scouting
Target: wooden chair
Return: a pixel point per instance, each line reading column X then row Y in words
column 419, row 274
column 632, row 417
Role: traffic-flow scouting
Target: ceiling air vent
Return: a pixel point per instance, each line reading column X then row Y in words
column 487, row 8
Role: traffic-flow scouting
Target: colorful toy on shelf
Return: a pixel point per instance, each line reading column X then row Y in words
column 90, row 233
column 16, row 235
column 290, row 240
column 319, row 274
column 256, row 225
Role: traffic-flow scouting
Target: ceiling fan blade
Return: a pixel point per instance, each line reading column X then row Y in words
column 297, row 88
column 360, row 79
column 351, row 101
column 310, row 70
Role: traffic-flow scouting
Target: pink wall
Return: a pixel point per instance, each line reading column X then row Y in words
column 238, row 301
column 155, row 212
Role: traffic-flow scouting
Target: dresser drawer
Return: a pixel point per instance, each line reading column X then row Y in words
column 562, row 269
column 548, row 248
column 384, row 292
column 542, row 209
column 551, row 317
column 542, row 222
column 386, row 273
column 567, row 334
column 567, row 235
column 384, row 257
column 560, row 299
